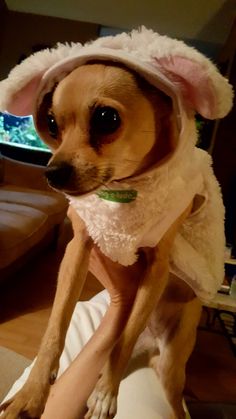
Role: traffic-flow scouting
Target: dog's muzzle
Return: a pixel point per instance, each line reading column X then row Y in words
column 59, row 175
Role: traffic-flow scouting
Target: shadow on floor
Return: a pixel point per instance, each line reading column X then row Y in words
column 212, row 410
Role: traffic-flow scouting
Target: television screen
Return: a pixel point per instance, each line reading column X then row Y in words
column 19, row 131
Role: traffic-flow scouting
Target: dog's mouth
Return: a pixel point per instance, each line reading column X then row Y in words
column 79, row 192
column 88, row 179
column 65, row 178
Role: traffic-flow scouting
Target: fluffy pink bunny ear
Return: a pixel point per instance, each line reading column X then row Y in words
column 21, row 102
column 200, row 84
column 19, row 90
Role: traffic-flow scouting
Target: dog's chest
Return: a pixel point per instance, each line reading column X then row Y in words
column 120, row 229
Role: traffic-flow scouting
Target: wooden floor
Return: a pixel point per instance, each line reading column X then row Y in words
column 25, row 304
column 26, row 299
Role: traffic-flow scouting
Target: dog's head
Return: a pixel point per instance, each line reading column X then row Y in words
column 103, row 123
column 115, row 108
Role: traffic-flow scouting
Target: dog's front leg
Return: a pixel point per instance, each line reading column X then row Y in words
column 103, row 401
column 30, row 400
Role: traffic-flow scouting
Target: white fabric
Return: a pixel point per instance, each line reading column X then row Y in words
column 141, row 394
column 163, row 194
column 120, row 229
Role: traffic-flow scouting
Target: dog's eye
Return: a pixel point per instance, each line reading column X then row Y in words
column 52, row 125
column 105, row 120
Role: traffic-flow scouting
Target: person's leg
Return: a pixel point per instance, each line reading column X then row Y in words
column 141, row 393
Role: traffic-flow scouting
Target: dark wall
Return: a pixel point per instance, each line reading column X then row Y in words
column 3, row 12
column 21, row 32
column 224, row 157
column 224, row 152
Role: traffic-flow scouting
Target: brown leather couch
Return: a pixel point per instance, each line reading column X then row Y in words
column 30, row 213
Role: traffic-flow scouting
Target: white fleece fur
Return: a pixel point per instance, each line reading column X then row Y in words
column 163, row 194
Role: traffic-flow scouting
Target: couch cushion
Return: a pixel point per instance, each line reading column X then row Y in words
column 26, row 217
column 21, row 227
column 48, row 202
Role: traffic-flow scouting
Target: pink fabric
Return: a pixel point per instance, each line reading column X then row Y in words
column 22, row 103
column 193, row 82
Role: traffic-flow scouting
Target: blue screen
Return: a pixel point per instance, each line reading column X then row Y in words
column 19, row 131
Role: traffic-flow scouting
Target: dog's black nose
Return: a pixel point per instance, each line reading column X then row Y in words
column 59, row 175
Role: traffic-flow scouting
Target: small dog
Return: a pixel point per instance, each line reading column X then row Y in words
column 109, row 127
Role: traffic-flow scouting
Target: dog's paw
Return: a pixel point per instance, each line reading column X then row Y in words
column 102, row 405
column 28, row 403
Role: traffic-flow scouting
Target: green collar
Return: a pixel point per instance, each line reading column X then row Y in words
column 121, row 196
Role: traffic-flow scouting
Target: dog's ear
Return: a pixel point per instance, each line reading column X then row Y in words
column 199, row 83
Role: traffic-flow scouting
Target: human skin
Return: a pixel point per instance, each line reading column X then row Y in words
column 69, row 394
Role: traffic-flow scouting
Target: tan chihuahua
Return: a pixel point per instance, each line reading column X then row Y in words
column 113, row 128
column 106, row 126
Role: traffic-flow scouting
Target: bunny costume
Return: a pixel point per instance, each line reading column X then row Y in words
column 163, row 192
